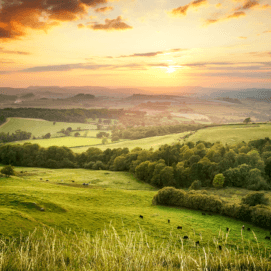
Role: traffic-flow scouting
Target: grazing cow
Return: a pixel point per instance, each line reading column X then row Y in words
column 179, row 228
column 203, row 213
column 248, row 229
column 185, row 237
column 197, row 243
column 141, row 216
column 267, row 237
column 220, row 247
column 227, row 229
column 168, row 221
column 243, row 227
column 42, row 209
column 47, row 180
column 21, row 172
column 41, row 179
column 73, row 181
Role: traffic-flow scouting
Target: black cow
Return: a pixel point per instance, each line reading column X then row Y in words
column 185, row 237
column 179, row 228
column 168, row 221
column 227, row 229
column 220, row 247
column 197, row 243
column 248, row 229
column 141, row 216
column 267, row 237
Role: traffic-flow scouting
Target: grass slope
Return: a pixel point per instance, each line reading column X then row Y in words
column 111, row 197
column 144, row 143
column 68, row 141
column 41, row 127
column 232, row 134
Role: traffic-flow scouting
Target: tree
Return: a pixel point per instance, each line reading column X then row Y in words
column 247, row 120
column 48, row 135
column 105, row 141
column 7, row 170
column 218, row 180
column 77, row 134
column 115, row 138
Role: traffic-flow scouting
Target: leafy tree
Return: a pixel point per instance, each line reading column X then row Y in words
column 104, row 141
column 47, row 136
column 247, row 120
column 218, row 181
column 8, row 170
column 77, row 134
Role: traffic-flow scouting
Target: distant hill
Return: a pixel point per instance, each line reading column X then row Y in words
column 229, row 100
column 7, row 98
column 80, row 98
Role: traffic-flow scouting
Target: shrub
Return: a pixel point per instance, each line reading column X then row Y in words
column 261, row 217
column 255, row 198
column 196, row 185
column 8, row 170
column 244, row 213
column 218, row 181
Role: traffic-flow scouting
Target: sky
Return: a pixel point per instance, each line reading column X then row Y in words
column 135, row 43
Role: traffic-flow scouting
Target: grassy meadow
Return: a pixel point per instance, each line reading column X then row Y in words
column 232, row 134
column 39, row 128
column 86, row 217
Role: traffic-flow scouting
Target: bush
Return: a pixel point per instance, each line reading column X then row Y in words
column 196, row 185
column 218, row 181
column 255, row 198
column 8, row 170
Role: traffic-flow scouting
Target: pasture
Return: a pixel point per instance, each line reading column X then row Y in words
column 145, row 143
column 39, row 128
column 110, row 197
column 232, row 134
column 68, row 141
column 84, row 217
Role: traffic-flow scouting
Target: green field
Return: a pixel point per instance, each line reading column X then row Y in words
column 232, row 134
column 68, row 141
column 39, row 128
column 144, row 143
column 115, row 198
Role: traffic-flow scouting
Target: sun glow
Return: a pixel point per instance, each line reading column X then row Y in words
column 170, row 69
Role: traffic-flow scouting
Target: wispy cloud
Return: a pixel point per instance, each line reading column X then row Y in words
column 182, row 10
column 110, row 25
column 234, row 15
column 104, row 9
column 4, row 51
column 152, row 54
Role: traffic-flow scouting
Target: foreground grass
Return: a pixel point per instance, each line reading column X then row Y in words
column 127, row 250
column 232, row 134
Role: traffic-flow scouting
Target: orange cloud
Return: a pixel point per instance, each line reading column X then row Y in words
column 248, row 5
column 103, row 9
column 241, row 37
column 111, row 25
column 183, row 9
column 236, row 14
column 2, row 50
column 16, row 17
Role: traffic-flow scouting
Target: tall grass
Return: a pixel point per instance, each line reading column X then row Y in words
column 126, row 250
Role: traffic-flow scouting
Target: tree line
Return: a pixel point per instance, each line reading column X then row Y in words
column 18, row 135
column 61, row 115
column 149, row 131
column 246, row 165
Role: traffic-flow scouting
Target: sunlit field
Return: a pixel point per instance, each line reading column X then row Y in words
column 39, row 128
column 80, row 216
column 232, row 134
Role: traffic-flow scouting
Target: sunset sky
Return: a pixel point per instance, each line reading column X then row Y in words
column 133, row 43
